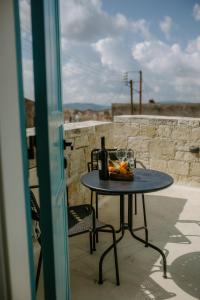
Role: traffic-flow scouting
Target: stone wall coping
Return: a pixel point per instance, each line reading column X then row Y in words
column 129, row 118
column 84, row 124
column 71, row 126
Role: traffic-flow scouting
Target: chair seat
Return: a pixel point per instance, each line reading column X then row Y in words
column 80, row 219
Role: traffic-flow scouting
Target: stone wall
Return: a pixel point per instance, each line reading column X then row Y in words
column 84, row 136
column 162, row 143
column 158, row 109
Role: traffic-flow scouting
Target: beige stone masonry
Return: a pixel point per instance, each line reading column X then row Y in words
column 85, row 136
column 161, row 143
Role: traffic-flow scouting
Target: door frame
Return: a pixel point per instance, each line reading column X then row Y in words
column 49, row 146
column 15, row 227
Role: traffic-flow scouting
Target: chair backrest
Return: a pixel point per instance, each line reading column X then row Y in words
column 76, row 215
column 93, row 164
column 35, row 210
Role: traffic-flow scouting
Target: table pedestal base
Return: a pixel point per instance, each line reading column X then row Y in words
column 129, row 226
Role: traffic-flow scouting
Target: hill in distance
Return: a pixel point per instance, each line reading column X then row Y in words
column 85, row 106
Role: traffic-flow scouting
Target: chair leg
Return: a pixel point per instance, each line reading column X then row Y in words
column 135, row 204
column 145, row 220
column 94, row 241
column 91, row 238
column 91, row 198
column 114, row 245
column 97, row 215
column 38, row 270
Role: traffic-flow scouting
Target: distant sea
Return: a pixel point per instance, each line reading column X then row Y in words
column 85, row 106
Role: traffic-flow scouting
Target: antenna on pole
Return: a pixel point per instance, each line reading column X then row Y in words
column 140, row 93
column 125, row 77
column 131, row 94
column 129, row 83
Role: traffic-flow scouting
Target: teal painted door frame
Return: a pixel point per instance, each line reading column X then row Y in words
column 49, row 140
column 24, row 143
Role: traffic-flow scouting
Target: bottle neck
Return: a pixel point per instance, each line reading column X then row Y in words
column 103, row 142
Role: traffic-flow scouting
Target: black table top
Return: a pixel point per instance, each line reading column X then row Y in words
column 145, row 180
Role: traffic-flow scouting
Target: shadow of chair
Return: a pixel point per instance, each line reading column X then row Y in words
column 81, row 219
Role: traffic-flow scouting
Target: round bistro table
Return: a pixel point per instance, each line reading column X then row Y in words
column 145, row 181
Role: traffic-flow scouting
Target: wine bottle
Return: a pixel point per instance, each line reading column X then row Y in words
column 103, row 161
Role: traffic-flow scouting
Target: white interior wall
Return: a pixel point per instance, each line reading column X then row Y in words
column 15, row 258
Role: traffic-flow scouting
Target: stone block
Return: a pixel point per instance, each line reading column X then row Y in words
column 148, row 130
column 182, row 145
column 81, row 141
column 178, row 167
column 161, row 149
column 164, row 131
column 144, row 161
column 118, row 141
column 102, row 129
column 195, row 169
column 158, row 164
column 77, row 162
column 186, row 156
column 193, row 181
column 140, row 146
column 195, row 134
column 181, row 133
column 127, row 129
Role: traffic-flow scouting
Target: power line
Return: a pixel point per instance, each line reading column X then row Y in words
column 131, row 83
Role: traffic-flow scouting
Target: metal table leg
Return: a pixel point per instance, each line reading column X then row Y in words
column 130, row 224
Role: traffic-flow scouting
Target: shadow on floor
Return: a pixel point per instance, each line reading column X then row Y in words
column 185, row 271
column 135, row 261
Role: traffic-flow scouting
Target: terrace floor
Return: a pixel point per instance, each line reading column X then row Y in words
column 174, row 225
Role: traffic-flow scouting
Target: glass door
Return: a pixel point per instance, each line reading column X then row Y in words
column 49, row 142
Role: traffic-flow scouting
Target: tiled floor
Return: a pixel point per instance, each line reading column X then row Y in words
column 174, row 225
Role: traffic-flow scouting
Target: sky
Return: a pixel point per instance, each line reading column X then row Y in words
column 101, row 40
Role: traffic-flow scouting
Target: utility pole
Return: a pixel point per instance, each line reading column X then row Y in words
column 140, row 93
column 131, row 94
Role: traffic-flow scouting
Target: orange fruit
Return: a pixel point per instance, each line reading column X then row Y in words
column 123, row 164
column 111, row 169
column 123, row 170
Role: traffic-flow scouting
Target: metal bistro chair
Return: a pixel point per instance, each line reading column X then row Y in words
column 81, row 219
column 93, row 165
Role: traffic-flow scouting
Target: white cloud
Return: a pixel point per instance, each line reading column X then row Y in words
column 196, row 12
column 25, row 13
column 97, row 47
column 141, row 27
column 84, row 20
column 121, row 21
column 157, row 56
column 166, row 26
column 28, row 78
column 95, row 50
column 176, row 71
column 114, row 54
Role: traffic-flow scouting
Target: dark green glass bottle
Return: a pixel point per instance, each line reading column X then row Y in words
column 103, row 161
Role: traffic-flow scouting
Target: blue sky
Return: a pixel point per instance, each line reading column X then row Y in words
column 101, row 39
column 181, row 11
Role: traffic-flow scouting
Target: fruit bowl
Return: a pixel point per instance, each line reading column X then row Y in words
column 121, row 177
column 120, row 170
